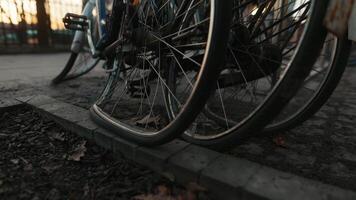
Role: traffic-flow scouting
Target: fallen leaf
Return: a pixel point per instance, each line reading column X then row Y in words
column 78, row 152
column 23, row 160
column 28, row 167
column 195, row 187
column 153, row 197
column 86, row 190
column 163, row 190
column 148, row 120
column 15, row 161
column 54, row 194
column 169, row 176
column 280, row 141
column 56, row 136
column 50, row 169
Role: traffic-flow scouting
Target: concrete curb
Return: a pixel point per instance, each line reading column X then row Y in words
column 226, row 177
column 7, row 104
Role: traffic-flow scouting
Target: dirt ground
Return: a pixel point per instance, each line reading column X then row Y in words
column 40, row 160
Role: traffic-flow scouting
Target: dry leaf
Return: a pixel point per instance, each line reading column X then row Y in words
column 148, row 120
column 86, row 190
column 162, row 190
column 162, row 193
column 28, row 167
column 50, row 169
column 280, row 141
column 15, row 161
column 153, row 197
column 23, row 160
column 56, row 136
column 169, row 176
column 195, row 187
column 78, row 152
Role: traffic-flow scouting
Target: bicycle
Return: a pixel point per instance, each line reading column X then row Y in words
column 322, row 81
column 157, row 39
column 266, row 65
column 93, row 32
column 177, row 73
column 317, row 88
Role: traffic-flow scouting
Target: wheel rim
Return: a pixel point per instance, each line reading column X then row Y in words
column 314, row 83
column 209, row 125
column 141, row 74
column 85, row 61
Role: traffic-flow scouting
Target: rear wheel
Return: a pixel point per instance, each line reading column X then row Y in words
column 185, row 36
column 272, row 48
column 317, row 88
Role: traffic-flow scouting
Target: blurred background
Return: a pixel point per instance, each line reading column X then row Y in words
column 35, row 25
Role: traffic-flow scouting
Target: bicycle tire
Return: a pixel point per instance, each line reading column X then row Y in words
column 322, row 95
column 218, row 31
column 286, row 89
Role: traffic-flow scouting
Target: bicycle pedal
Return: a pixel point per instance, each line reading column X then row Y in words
column 76, row 22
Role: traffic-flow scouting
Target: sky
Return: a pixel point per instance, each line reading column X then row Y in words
column 10, row 11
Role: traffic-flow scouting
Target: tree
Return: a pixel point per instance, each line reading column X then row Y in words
column 43, row 25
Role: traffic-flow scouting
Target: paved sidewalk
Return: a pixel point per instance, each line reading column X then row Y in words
column 324, row 148
column 31, row 68
column 31, row 74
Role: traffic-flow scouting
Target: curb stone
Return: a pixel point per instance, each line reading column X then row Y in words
column 226, row 177
column 8, row 104
column 221, row 177
column 188, row 163
column 159, row 155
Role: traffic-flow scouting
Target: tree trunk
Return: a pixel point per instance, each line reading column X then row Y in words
column 43, row 26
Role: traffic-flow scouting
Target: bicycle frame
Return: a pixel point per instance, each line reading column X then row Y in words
column 79, row 36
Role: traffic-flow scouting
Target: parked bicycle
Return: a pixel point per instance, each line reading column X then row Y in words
column 215, row 72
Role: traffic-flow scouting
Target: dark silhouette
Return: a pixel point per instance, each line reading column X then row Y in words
column 43, row 25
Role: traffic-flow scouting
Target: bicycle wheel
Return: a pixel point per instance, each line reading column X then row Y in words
column 186, row 36
column 317, row 88
column 273, row 45
column 80, row 62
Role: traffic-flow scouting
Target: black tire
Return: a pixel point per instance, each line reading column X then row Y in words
column 289, row 85
column 324, row 92
column 61, row 76
column 203, row 88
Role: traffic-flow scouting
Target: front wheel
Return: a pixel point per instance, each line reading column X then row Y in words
column 188, row 37
column 81, row 62
column 77, row 65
